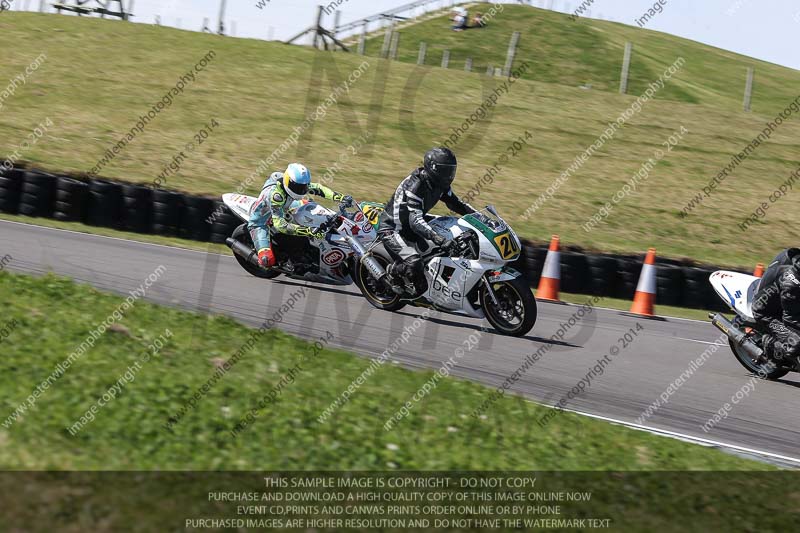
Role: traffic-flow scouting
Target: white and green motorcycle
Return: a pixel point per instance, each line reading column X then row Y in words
column 477, row 282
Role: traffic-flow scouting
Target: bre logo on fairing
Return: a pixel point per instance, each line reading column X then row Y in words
column 333, row 258
column 444, row 288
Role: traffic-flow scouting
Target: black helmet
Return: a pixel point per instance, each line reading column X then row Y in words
column 440, row 164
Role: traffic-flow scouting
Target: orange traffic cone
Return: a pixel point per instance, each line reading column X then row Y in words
column 551, row 273
column 759, row 270
column 645, row 298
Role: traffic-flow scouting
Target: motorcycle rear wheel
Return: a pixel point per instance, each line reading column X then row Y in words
column 516, row 314
column 746, row 361
column 243, row 236
column 376, row 293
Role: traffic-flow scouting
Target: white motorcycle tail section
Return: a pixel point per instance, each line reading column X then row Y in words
column 738, row 290
column 239, row 204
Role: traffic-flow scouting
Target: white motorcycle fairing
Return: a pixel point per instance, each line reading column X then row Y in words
column 737, row 289
column 333, row 251
column 450, row 280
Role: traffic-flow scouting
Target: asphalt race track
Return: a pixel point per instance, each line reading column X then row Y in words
column 767, row 419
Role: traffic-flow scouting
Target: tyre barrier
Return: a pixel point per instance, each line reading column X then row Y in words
column 37, row 197
column 141, row 209
column 105, row 204
column 72, row 199
column 166, row 219
column 137, row 208
column 195, row 218
column 10, row 190
column 223, row 222
column 605, row 268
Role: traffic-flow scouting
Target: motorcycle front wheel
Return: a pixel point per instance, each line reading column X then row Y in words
column 376, row 292
column 515, row 312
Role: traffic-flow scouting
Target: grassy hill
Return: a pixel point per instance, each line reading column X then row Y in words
column 100, row 76
column 589, row 52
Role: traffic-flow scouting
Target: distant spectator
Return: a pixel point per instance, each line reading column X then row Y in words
column 460, row 19
column 477, row 21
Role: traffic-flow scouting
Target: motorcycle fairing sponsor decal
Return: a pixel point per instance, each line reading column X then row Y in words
column 373, row 213
column 366, row 228
column 333, row 258
column 445, row 273
column 359, row 217
column 733, row 301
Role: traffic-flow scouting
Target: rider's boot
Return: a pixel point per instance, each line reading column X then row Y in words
column 396, row 278
column 768, row 345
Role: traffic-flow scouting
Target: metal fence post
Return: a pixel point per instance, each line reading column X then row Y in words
column 423, row 48
column 748, row 89
column 387, row 40
column 512, row 52
column 626, row 65
column 394, row 44
column 445, row 58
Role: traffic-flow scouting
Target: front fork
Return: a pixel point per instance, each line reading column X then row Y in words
column 490, row 290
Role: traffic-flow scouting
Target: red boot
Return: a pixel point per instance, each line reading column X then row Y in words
column 266, row 258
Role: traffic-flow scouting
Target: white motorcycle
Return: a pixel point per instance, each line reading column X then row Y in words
column 476, row 282
column 329, row 260
column 738, row 292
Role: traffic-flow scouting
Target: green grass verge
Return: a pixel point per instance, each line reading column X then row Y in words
column 259, row 92
column 55, row 315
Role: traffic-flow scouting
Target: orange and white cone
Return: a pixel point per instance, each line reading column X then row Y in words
column 759, row 271
column 550, row 281
column 645, row 298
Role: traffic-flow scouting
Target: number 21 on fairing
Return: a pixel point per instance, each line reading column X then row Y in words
column 508, row 248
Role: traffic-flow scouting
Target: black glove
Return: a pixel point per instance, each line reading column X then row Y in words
column 447, row 245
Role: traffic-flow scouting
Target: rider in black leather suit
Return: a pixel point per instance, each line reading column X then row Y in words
column 777, row 306
column 403, row 226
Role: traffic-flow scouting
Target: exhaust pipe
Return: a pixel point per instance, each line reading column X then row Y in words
column 245, row 252
column 366, row 259
column 736, row 335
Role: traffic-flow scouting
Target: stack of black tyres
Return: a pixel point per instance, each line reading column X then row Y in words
column 575, row 277
column 105, row 204
column 223, row 223
column 137, row 208
column 37, row 196
column 72, row 200
column 534, row 261
column 10, row 190
column 195, row 218
column 167, row 207
column 602, row 275
column 628, row 271
column 669, row 285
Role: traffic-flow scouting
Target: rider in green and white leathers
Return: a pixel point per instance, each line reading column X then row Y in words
column 271, row 211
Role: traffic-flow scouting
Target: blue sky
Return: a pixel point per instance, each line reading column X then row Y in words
column 765, row 29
